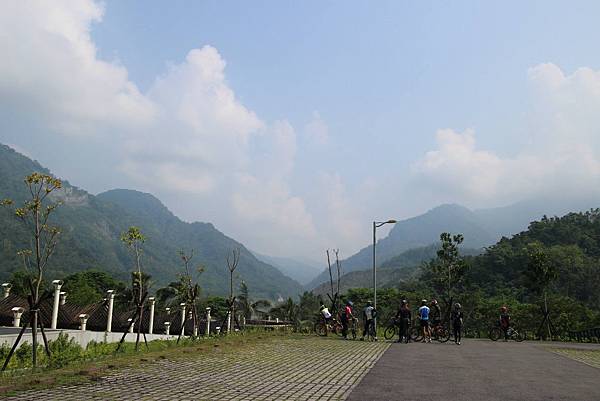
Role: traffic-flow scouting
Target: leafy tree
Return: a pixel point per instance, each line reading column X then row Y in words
column 35, row 214
column 541, row 273
column 287, row 310
column 90, row 286
column 447, row 272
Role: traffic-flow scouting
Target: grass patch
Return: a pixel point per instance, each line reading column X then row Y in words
column 70, row 364
column 588, row 356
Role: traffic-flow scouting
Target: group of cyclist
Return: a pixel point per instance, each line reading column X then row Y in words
column 429, row 316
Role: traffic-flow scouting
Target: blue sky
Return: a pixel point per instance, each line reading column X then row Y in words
column 334, row 111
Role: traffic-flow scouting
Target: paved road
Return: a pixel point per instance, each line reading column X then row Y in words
column 309, row 368
column 477, row 370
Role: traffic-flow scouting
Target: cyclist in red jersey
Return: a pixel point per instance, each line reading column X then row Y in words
column 346, row 317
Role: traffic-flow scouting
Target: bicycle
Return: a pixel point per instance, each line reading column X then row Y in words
column 497, row 332
column 440, row 333
column 322, row 327
column 391, row 330
column 371, row 334
column 415, row 333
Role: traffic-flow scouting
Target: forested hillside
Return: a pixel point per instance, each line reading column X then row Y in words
column 91, row 228
column 572, row 246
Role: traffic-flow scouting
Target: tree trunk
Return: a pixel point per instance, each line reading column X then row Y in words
column 34, row 322
column 547, row 315
column 139, row 330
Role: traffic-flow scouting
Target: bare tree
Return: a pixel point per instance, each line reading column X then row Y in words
column 189, row 289
column 134, row 239
column 339, row 272
column 332, row 296
column 232, row 262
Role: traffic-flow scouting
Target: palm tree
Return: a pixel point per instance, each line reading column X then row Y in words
column 246, row 306
column 288, row 310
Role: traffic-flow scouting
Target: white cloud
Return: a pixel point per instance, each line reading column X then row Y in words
column 50, row 66
column 317, row 131
column 264, row 194
column 564, row 155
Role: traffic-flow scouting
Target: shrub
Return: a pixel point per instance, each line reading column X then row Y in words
column 64, row 351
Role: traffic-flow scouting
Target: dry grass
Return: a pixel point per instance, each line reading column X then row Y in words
column 588, row 356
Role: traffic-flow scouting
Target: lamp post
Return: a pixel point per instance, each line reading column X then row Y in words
column 376, row 225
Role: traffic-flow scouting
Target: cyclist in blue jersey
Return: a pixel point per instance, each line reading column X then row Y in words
column 424, row 319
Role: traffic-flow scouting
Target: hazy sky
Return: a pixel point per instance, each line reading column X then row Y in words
column 291, row 125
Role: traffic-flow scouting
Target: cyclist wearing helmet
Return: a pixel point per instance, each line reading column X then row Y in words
column 504, row 321
column 369, row 314
column 457, row 322
column 424, row 319
column 346, row 316
column 436, row 313
column 325, row 313
column 404, row 316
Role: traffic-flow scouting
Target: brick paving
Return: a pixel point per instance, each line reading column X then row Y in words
column 288, row 369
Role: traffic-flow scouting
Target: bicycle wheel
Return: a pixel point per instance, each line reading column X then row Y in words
column 320, row 329
column 390, row 332
column 336, row 328
column 442, row 334
column 495, row 333
column 415, row 334
column 517, row 336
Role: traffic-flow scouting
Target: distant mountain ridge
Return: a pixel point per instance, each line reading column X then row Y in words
column 481, row 228
column 300, row 271
column 91, row 228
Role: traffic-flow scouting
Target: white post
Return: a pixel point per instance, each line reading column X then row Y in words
column 130, row 327
column 17, row 313
column 57, row 284
column 167, row 327
column 63, row 298
column 182, row 318
column 276, row 320
column 6, row 288
column 229, row 322
column 207, row 322
column 83, row 320
column 244, row 321
column 152, row 301
column 111, row 302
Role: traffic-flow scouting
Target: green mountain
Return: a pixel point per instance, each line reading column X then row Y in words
column 416, row 233
column 572, row 246
column 391, row 272
column 481, row 227
column 91, row 228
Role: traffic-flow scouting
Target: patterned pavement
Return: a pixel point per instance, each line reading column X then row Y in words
column 308, row 368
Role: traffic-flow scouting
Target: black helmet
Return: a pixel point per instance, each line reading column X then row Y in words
column 349, row 303
column 369, row 303
column 404, row 302
column 457, row 306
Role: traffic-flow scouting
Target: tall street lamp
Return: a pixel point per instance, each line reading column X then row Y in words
column 376, row 225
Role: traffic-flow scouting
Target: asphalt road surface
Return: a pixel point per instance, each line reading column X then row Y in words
column 477, row 370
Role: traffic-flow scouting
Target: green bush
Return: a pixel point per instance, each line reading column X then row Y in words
column 64, row 351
